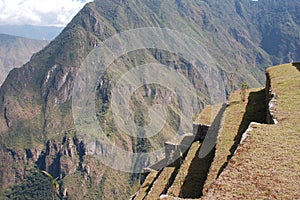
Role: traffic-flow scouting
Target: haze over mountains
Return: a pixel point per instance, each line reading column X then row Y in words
column 243, row 36
column 16, row 51
column 30, row 31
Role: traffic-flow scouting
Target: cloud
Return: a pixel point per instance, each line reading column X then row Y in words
column 39, row 12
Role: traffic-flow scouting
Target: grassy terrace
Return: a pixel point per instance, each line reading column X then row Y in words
column 192, row 173
column 237, row 117
column 208, row 114
column 146, row 186
column 267, row 163
column 188, row 173
column 161, row 183
column 175, row 190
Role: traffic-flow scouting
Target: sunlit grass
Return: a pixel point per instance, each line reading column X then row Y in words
column 267, row 164
column 183, row 170
column 144, row 189
column 235, row 122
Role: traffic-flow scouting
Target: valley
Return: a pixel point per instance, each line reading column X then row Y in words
column 238, row 38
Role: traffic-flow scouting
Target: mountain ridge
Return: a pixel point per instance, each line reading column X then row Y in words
column 36, row 99
column 16, row 51
column 30, row 31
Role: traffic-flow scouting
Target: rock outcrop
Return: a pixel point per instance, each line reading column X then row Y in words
column 35, row 100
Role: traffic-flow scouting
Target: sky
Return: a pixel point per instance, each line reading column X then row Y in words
column 39, row 12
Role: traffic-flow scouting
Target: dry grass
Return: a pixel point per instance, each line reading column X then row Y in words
column 235, row 122
column 152, row 188
column 267, row 163
column 208, row 114
column 192, row 173
column 161, row 183
column 143, row 190
column 184, row 170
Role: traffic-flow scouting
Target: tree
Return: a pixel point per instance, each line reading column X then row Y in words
column 244, row 91
column 54, row 184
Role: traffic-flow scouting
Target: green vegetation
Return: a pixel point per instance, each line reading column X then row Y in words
column 33, row 109
column 35, row 187
column 244, row 91
column 54, row 184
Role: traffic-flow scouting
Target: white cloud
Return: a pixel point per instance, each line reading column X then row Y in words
column 39, row 12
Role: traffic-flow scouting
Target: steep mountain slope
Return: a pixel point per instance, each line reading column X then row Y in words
column 35, row 100
column 16, row 51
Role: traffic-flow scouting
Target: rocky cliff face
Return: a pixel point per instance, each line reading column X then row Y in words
column 65, row 157
column 16, row 165
column 35, row 103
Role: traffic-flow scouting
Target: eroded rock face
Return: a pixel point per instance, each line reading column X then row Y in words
column 36, row 99
column 60, row 157
column 58, row 81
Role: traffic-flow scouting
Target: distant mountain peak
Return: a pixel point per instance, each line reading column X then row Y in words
column 16, row 51
column 242, row 37
column 31, row 31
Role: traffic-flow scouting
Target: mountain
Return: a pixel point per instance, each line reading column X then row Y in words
column 16, row 51
column 242, row 37
column 31, row 31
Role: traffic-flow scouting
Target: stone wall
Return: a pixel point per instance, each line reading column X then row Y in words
column 174, row 150
column 270, row 101
column 296, row 64
column 200, row 131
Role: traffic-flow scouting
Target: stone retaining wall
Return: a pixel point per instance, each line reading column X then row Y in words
column 270, row 101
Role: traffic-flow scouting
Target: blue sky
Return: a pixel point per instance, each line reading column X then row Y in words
column 39, row 12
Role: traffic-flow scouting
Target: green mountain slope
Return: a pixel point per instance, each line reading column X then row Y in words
column 35, row 103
